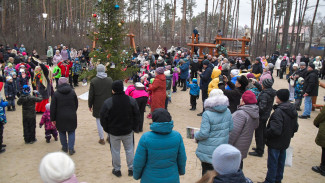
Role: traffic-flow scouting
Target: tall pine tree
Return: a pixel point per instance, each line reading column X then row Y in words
column 109, row 33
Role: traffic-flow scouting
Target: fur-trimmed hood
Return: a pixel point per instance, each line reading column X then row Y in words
column 213, row 102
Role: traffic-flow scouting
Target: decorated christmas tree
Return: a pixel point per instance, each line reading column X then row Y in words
column 109, row 34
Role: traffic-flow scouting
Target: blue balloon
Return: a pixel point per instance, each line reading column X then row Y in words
column 117, row 7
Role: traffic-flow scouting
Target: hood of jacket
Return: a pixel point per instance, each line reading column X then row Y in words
column 64, row 88
column 162, row 127
column 313, row 71
column 215, row 73
column 237, row 177
column 217, row 103
column 252, row 110
column 288, row 108
column 270, row 91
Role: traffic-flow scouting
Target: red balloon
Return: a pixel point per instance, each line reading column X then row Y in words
column 94, row 15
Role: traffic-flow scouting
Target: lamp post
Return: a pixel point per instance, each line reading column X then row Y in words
column 44, row 17
column 267, row 31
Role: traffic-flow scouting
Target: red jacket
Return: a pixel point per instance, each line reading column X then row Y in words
column 158, row 88
column 65, row 69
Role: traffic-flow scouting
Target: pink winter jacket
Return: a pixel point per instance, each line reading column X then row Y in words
column 132, row 92
column 265, row 75
column 72, row 179
column 46, row 119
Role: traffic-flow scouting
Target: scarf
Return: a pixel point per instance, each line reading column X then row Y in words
column 40, row 76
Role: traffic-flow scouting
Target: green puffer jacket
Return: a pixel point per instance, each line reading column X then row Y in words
column 319, row 122
column 56, row 72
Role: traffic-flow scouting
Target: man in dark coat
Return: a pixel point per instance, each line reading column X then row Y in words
column 237, row 90
column 194, row 67
column 120, row 117
column 265, row 102
column 257, row 69
column 100, row 89
column 282, row 125
column 64, row 105
column 29, row 114
column 310, row 89
column 205, row 76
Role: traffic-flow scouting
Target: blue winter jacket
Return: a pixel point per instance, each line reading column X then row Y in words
column 194, row 89
column 233, row 80
column 160, row 156
column 215, row 128
column 184, row 70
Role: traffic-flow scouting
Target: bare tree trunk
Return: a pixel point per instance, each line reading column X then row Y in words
column 206, row 19
column 183, row 29
column 312, row 26
column 220, row 15
column 253, row 5
column 173, row 22
column 286, row 26
column 300, row 23
column 3, row 16
column 293, row 27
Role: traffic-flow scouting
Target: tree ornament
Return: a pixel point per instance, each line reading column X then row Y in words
column 117, row 7
column 122, row 21
column 94, row 15
column 111, row 39
column 119, row 24
column 95, row 56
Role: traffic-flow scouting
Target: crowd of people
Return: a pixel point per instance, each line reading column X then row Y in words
column 237, row 95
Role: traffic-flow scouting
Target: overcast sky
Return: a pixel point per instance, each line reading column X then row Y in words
column 245, row 9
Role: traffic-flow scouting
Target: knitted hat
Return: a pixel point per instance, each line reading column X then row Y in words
column 47, row 106
column 267, row 83
column 100, row 68
column 249, row 97
column 117, row 86
column 271, row 66
column 250, row 75
column 235, row 72
column 63, row 80
column 295, row 65
column 161, row 115
column 194, row 80
column 243, row 81
column 26, row 89
column 301, row 80
column 312, row 66
column 24, row 53
column 160, row 70
column 226, row 159
column 216, row 92
column 8, row 78
column 56, row 167
column 302, row 64
column 258, row 59
column 206, row 62
column 283, row 94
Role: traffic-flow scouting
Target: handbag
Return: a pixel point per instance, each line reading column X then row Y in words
column 289, row 154
column 292, row 82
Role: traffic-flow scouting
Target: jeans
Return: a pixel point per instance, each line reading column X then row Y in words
column 275, row 165
column 100, row 129
column 11, row 102
column 298, row 103
column 128, row 143
column 63, row 139
column 308, row 106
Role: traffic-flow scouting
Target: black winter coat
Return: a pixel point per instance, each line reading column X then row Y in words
column 10, row 90
column 234, row 95
column 64, row 105
column 282, row 125
column 194, row 65
column 311, row 83
column 302, row 73
column 100, row 89
column 206, row 77
column 257, row 68
column 237, row 177
column 265, row 102
column 28, row 103
column 120, row 115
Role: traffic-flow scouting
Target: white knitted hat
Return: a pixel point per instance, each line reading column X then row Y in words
column 216, row 92
column 226, row 159
column 56, row 167
column 235, row 72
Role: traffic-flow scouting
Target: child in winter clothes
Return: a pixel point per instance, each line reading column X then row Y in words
column 56, row 74
column 29, row 114
column 299, row 92
column 194, row 93
column 50, row 128
column 3, row 121
column 175, row 79
column 15, row 82
column 10, row 92
column 22, row 80
column 76, row 71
